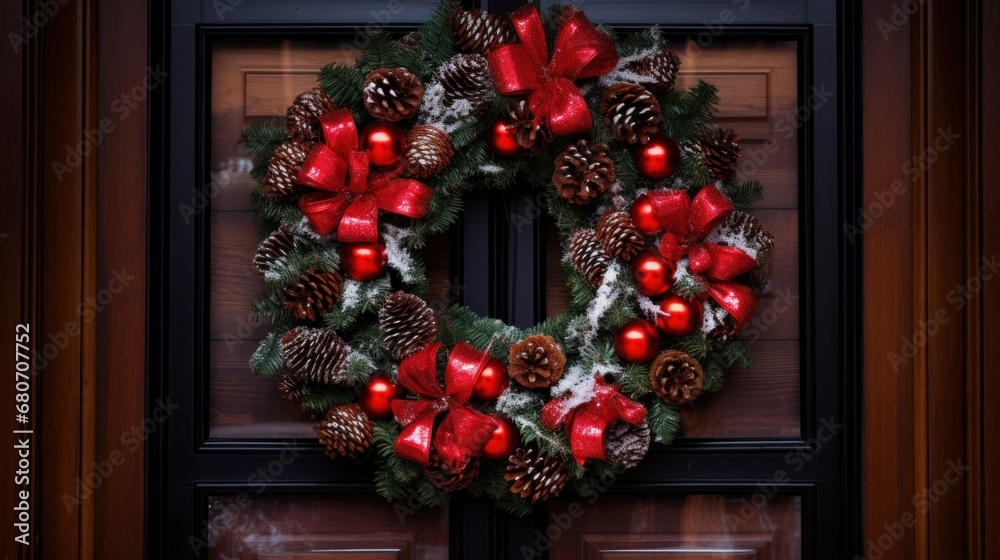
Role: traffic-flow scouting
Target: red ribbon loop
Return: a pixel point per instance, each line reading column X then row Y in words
column 686, row 222
column 580, row 51
column 463, row 431
column 349, row 196
column 586, row 423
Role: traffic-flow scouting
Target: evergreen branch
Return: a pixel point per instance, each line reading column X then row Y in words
column 324, row 397
column 744, row 194
column 664, row 421
column 267, row 360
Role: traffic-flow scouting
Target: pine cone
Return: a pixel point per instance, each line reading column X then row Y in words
column 537, row 361
column 313, row 294
column 676, row 377
column 280, row 243
column 392, row 94
column 279, row 179
column 746, row 226
column 626, row 444
column 293, row 388
column 477, row 32
column 406, row 324
column 583, row 171
column 721, row 150
column 410, row 41
column 304, row 113
column 428, row 151
column 535, row 477
column 441, row 476
column 345, row 431
column 315, row 355
column 657, row 72
column 618, row 236
column 466, row 77
column 631, row 112
column 528, row 133
column 588, row 257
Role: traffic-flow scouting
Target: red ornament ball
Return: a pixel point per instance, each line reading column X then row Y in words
column 637, row 342
column 503, row 139
column 644, row 216
column 492, row 381
column 384, row 143
column 502, row 442
column 377, row 396
column 653, row 275
column 680, row 317
column 658, row 158
column 363, row 261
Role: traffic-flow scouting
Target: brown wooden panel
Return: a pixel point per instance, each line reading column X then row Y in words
column 696, row 527
column 316, row 528
column 268, row 93
column 743, row 93
column 233, row 280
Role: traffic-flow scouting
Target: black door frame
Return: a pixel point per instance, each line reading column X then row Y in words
column 196, row 467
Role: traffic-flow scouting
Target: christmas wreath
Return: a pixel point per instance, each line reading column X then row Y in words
column 661, row 259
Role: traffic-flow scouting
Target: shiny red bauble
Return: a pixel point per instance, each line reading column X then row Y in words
column 502, row 442
column 377, row 396
column 383, row 143
column 658, row 158
column 644, row 216
column 363, row 261
column 652, row 274
column 637, row 342
column 503, row 139
column 492, row 381
column 680, row 316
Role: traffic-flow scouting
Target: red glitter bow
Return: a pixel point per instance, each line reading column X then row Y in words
column 587, row 422
column 349, row 198
column 463, row 431
column 580, row 51
column 687, row 221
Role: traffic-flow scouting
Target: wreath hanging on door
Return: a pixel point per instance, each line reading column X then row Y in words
column 661, row 258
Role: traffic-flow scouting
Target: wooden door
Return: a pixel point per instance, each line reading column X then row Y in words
column 758, row 472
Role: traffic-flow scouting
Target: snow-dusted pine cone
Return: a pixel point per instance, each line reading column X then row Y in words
column 428, row 151
column 588, row 256
column 536, row 477
column 583, row 171
column 618, row 236
column 721, row 150
column 477, row 32
column 406, row 324
column 676, row 377
column 293, row 388
column 528, row 133
column 392, row 94
column 631, row 112
column 466, row 77
column 346, row 431
column 303, row 115
column 315, row 355
column 313, row 294
column 279, row 244
column 444, row 478
column 657, row 72
column 279, row 179
column 537, row 361
column 626, row 444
